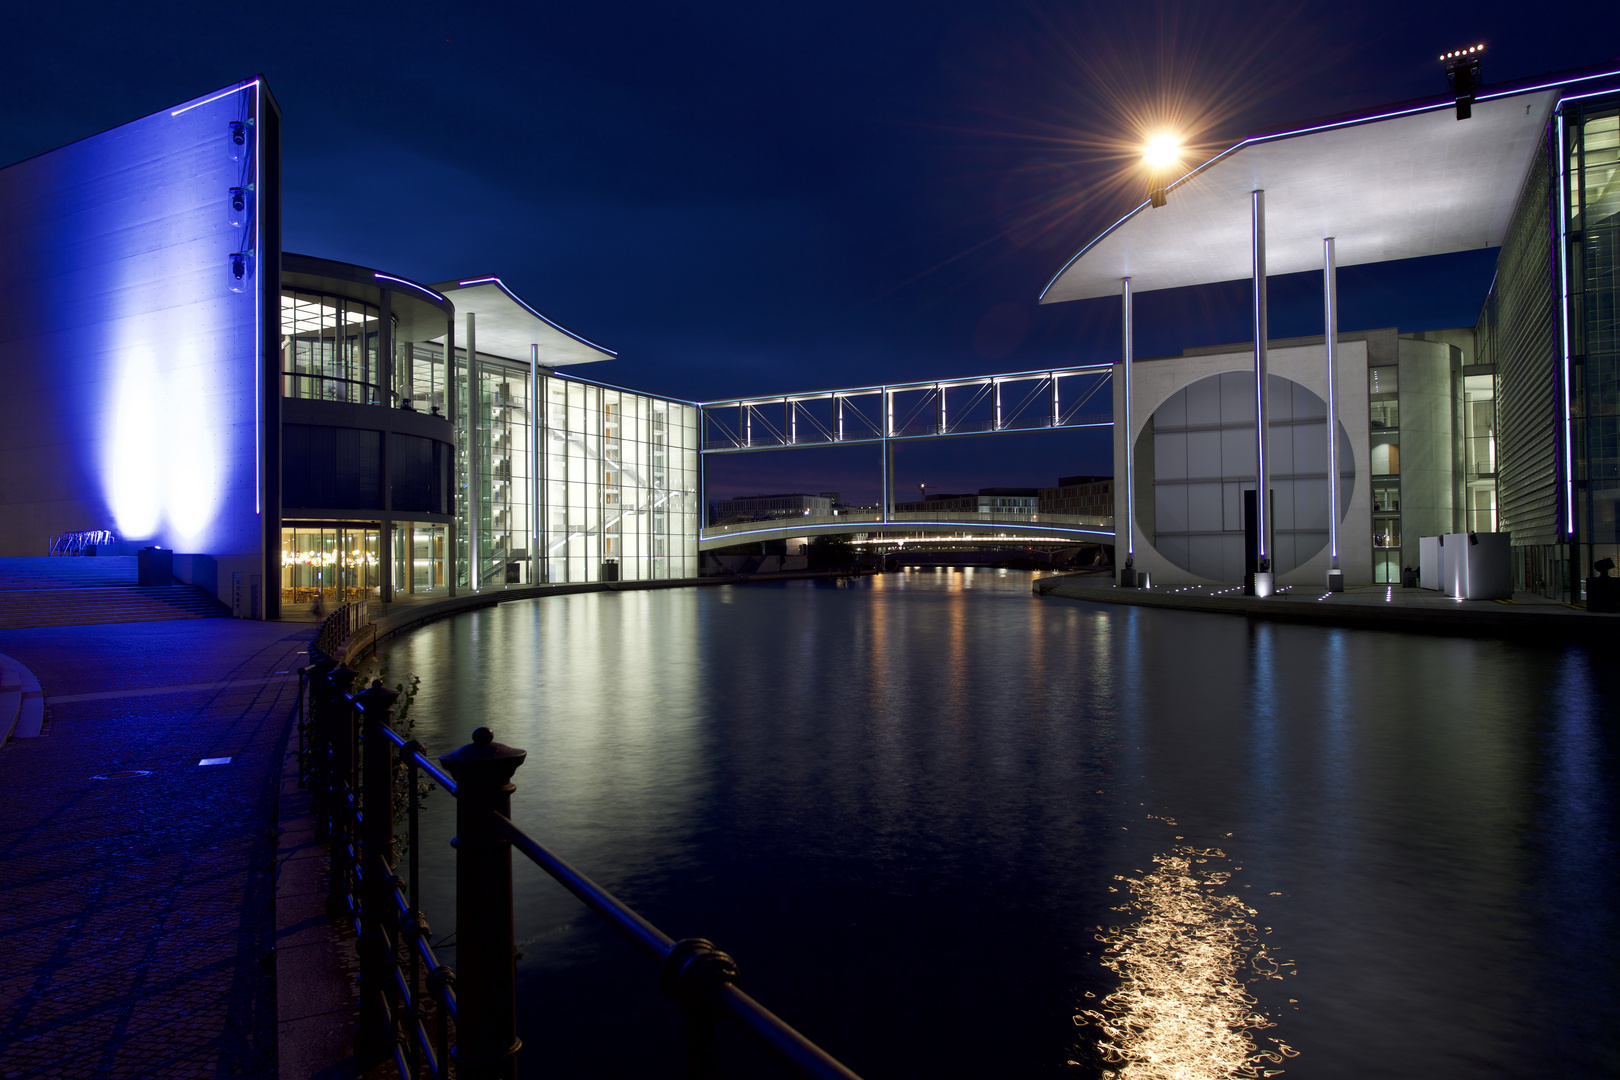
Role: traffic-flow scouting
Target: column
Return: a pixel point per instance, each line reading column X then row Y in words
column 385, row 348
column 474, row 503
column 536, row 574
column 1128, row 331
column 1330, row 320
column 1264, row 580
column 450, row 413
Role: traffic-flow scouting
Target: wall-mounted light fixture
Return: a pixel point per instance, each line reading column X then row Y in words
column 238, row 141
column 238, row 204
column 240, row 270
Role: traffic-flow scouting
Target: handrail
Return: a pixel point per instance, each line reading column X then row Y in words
column 411, row 1012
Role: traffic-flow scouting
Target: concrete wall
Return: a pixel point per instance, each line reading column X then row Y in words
column 134, row 371
column 1154, row 381
column 1428, row 406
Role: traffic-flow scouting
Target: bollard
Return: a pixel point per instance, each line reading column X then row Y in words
column 486, row 1022
column 375, row 1037
column 339, row 735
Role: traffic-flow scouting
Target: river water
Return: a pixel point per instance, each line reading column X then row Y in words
column 951, row 829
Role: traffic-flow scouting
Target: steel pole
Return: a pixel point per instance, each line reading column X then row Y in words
column 1127, row 332
column 1330, row 319
column 1261, row 412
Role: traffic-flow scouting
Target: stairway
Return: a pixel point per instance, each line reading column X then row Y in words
column 57, row 591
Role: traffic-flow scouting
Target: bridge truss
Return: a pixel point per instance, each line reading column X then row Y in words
column 1023, row 401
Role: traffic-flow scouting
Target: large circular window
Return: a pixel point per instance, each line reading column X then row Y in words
column 1198, row 448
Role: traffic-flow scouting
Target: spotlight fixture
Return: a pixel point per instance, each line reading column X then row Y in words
column 238, row 205
column 238, row 141
column 1462, row 72
column 238, row 266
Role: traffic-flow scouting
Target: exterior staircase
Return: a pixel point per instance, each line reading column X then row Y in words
column 75, row 591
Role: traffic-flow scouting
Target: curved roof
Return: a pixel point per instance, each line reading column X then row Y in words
column 506, row 326
column 1398, row 183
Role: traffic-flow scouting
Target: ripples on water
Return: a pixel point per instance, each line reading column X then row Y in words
column 906, row 806
column 1182, row 1010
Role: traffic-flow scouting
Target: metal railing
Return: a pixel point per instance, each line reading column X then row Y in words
column 339, row 626
column 76, row 543
column 431, row 1021
column 856, row 521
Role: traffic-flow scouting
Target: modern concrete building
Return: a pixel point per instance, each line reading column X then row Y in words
column 765, row 507
column 294, row 427
column 1078, row 495
column 990, row 500
column 1509, row 425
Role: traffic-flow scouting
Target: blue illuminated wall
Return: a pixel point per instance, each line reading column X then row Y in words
column 135, row 305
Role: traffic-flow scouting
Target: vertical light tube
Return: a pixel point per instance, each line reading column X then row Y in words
column 474, row 503
column 1127, row 330
column 1261, row 414
column 1330, row 320
column 258, row 309
column 1565, row 362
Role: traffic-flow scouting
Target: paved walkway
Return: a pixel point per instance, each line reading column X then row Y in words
column 137, row 912
column 1380, row 606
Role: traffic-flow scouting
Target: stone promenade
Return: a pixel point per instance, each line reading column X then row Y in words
column 137, row 886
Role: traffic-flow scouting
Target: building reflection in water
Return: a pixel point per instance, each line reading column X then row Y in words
column 1182, row 1010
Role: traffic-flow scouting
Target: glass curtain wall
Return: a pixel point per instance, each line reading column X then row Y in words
column 503, row 474
column 335, row 562
column 1594, row 280
column 1385, row 441
column 419, row 376
column 1479, row 459
column 420, row 551
column 329, row 348
column 619, row 472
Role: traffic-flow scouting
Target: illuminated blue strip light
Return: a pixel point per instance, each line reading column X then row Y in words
column 1329, row 125
column 411, row 284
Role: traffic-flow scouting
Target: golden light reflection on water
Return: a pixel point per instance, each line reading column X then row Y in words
column 1182, row 1010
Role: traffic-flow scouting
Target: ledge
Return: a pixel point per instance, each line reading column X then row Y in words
column 1411, row 610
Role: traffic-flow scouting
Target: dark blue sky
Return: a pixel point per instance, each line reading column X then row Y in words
column 753, row 198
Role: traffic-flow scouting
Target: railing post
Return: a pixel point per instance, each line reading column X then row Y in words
column 339, row 736
column 320, row 766
column 374, row 1039
column 486, row 1028
column 692, row 971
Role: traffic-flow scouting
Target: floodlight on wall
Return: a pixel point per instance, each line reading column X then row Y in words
column 240, row 270
column 1462, row 72
column 237, row 205
column 239, row 139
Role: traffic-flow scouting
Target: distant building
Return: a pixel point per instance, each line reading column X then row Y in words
column 993, row 500
column 758, row 507
column 1079, row 495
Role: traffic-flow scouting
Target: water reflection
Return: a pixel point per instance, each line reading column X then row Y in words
column 1183, row 1010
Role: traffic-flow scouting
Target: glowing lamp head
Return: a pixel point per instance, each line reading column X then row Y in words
column 1162, row 152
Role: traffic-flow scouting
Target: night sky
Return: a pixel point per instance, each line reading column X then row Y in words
column 758, row 198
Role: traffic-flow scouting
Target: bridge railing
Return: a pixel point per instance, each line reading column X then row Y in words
column 418, row 1014
column 856, row 522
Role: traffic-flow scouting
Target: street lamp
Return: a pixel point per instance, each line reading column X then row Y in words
column 1162, row 153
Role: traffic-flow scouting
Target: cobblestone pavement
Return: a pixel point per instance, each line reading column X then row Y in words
column 137, row 913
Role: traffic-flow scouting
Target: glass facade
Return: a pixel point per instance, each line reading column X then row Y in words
column 1593, row 172
column 1383, row 410
column 421, row 557
column 1479, row 453
column 419, row 376
column 331, row 560
column 329, row 348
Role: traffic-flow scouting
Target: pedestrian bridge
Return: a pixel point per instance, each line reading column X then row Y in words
column 1008, row 528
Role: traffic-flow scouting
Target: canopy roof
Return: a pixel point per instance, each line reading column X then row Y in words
column 506, row 326
column 1396, row 183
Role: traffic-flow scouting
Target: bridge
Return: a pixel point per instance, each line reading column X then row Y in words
column 1053, row 399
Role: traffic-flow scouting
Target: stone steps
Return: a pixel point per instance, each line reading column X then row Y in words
column 67, row 572
column 40, row 607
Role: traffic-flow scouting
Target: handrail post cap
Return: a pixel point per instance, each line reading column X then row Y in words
column 692, row 969
column 483, row 762
column 376, row 696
